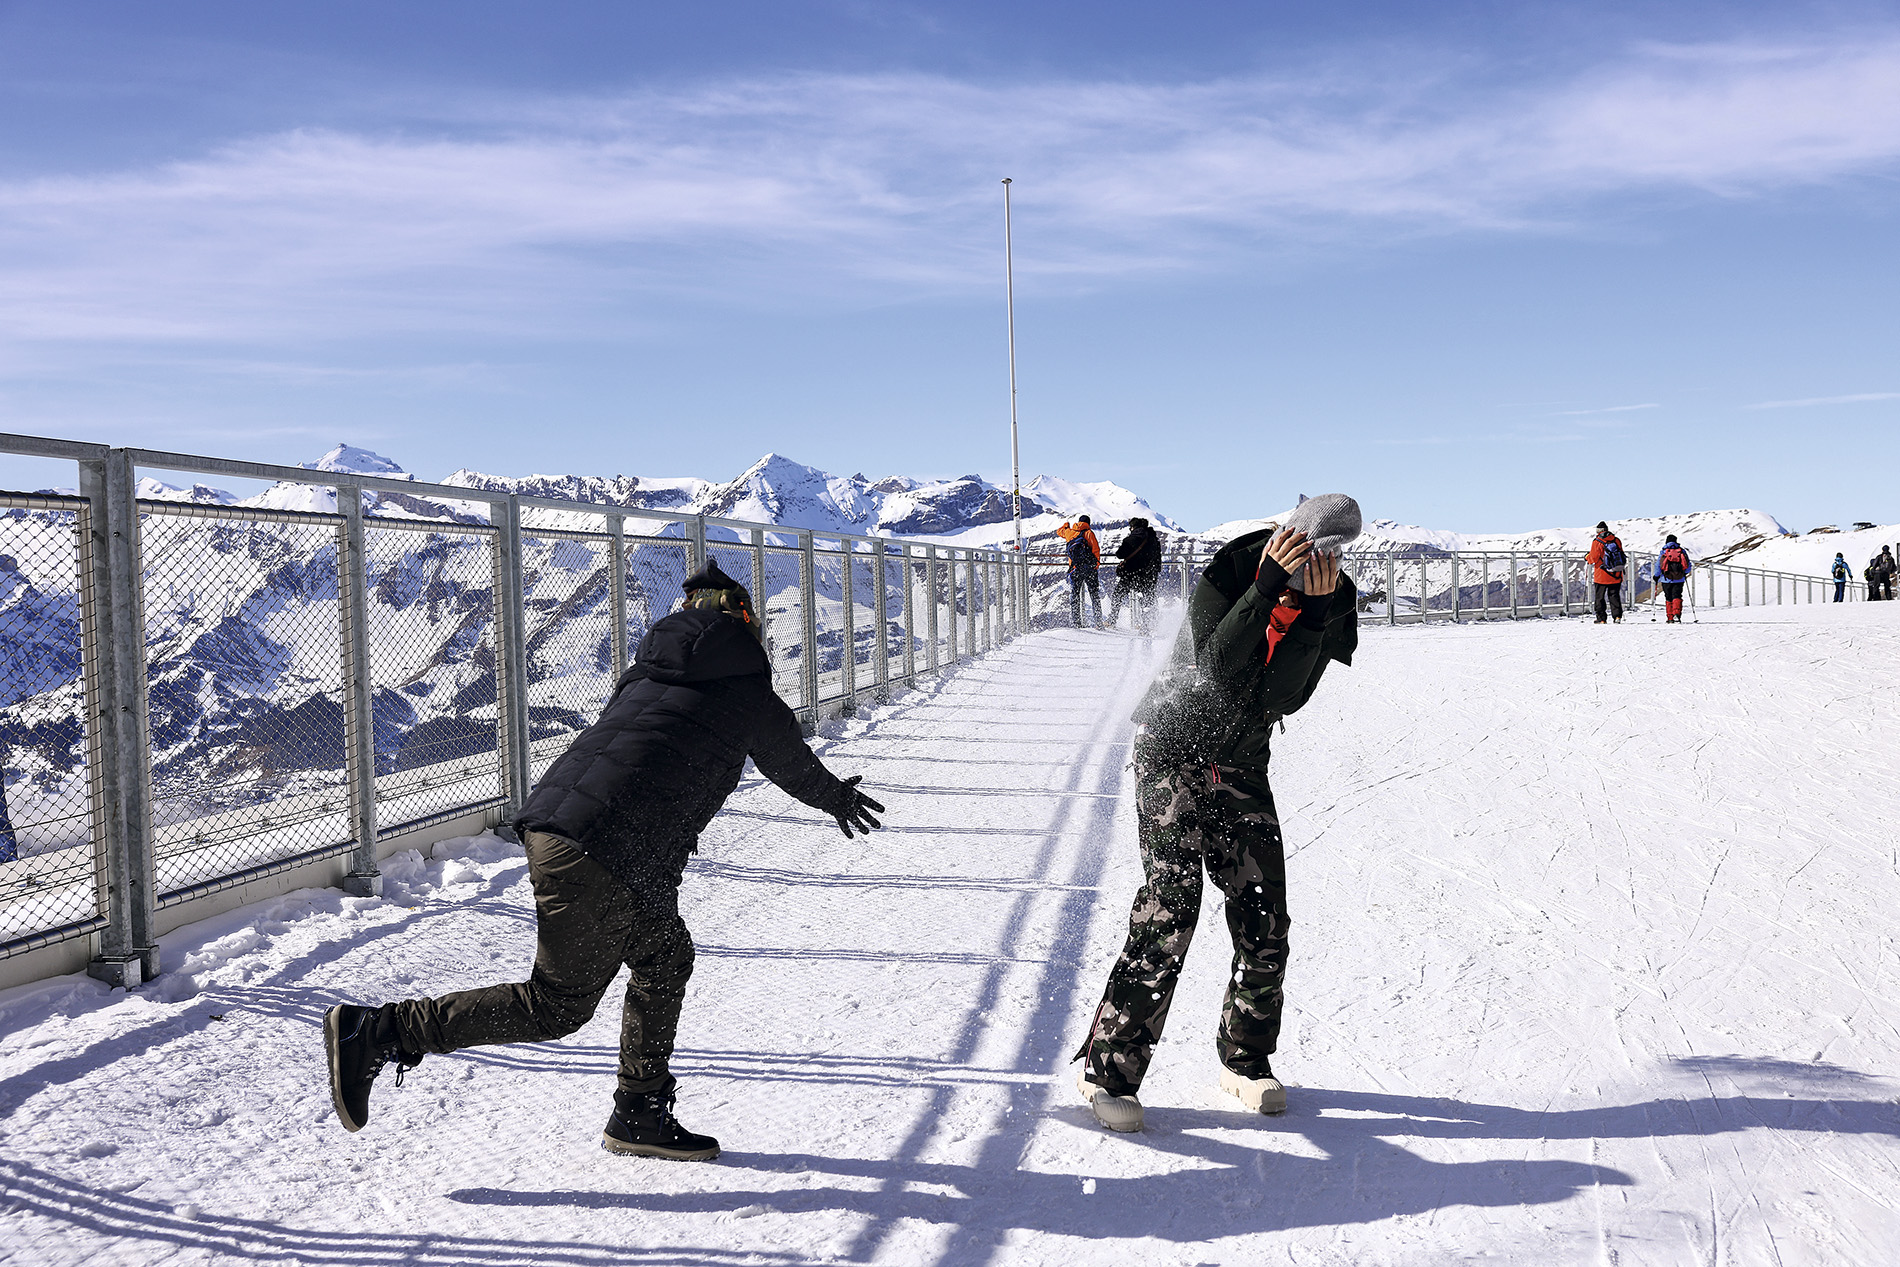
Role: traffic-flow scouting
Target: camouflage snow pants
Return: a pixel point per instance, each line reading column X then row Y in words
column 1220, row 818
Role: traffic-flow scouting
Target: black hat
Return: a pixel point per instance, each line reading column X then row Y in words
column 1137, row 522
column 1082, row 519
column 712, row 589
column 1671, row 537
column 1602, row 527
column 709, row 577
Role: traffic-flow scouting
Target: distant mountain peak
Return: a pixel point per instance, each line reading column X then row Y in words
column 348, row 459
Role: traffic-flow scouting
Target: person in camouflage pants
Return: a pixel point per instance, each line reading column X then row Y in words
column 1269, row 613
column 1220, row 818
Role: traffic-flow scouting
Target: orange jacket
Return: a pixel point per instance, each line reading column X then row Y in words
column 1596, row 561
column 1070, row 532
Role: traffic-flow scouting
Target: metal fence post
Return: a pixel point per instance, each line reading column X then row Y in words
column 1455, row 595
column 758, row 585
column 808, row 606
column 617, row 592
column 363, row 879
column 1391, row 596
column 117, row 739
column 700, row 557
column 971, row 604
column 933, row 659
column 848, row 666
column 511, row 654
column 881, row 650
column 910, row 614
column 1513, row 585
column 950, row 572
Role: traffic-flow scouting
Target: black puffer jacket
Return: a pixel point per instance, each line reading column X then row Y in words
column 635, row 789
column 1140, row 553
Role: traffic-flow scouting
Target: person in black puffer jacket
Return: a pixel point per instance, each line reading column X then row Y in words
column 1138, row 574
column 608, row 832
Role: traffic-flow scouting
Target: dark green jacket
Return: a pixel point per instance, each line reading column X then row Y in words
column 1217, row 701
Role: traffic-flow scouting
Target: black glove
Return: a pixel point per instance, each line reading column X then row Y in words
column 854, row 809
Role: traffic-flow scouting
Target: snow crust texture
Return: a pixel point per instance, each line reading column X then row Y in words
column 1595, row 958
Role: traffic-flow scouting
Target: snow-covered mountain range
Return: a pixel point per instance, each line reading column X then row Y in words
column 1708, row 534
column 967, row 511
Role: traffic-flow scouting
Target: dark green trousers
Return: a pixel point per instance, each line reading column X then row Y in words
column 589, row 924
column 1195, row 818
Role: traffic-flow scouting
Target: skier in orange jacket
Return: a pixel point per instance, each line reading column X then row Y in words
column 1085, row 564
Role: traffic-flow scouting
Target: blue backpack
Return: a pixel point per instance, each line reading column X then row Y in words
column 1613, row 560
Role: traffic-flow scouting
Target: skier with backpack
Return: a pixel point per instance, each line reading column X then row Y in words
column 1871, row 575
column 1887, row 570
column 1607, row 557
column 1842, row 574
column 1673, row 567
column 1269, row 613
column 608, row 832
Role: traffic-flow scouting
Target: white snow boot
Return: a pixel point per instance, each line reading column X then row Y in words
column 1116, row 1112
column 1262, row 1095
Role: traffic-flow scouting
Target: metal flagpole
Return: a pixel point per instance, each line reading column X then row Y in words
column 1009, row 291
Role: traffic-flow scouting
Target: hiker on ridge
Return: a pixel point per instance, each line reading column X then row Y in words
column 1673, row 567
column 1138, row 574
column 1268, row 614
column 1085, row 565
column 1606, row 556
column 608, row 832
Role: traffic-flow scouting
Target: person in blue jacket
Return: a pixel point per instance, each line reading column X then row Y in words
column 1842, row 573
column 1673, row 566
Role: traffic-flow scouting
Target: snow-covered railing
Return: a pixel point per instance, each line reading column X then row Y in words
column 195, row 694
column 1411, row 587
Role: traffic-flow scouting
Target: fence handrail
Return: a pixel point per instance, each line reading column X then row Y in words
column 238, row 633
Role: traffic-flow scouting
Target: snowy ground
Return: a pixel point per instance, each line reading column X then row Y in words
column 1596, row 959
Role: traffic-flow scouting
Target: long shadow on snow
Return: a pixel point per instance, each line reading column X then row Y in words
column 27, row 1190
column 1247, row 1187
column 266, row 996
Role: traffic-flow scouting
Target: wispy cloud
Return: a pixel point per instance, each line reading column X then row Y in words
column 1607, row 409
column 560, row 215
column 1855, row 399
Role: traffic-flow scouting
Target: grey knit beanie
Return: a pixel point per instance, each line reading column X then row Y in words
column 1330, row 521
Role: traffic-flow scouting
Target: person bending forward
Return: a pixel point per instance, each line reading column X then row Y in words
column 608, row 831
column 1264, row 621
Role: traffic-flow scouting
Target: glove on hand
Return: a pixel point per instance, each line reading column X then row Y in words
column 854, row 809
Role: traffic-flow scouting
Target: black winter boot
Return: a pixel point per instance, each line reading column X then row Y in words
column 359, row 1042
column 644, row 1126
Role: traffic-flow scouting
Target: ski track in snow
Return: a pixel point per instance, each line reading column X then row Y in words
column 1594, row 960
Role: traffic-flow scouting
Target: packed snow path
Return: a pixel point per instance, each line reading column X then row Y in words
column 1595, row 960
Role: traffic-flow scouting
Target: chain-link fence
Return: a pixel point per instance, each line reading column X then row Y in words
column 1415, row 587
column 49, row 879
column 195, row 692
column 244, row 688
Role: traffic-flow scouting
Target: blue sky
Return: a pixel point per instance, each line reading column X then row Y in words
column 1486, row 266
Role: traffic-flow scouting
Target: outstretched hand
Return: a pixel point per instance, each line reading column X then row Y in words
column 854, row 809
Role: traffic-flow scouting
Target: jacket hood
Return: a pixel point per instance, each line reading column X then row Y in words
column 698, row 645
